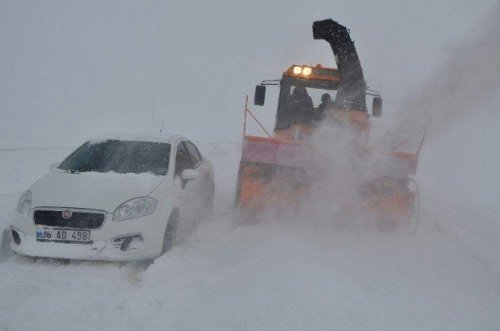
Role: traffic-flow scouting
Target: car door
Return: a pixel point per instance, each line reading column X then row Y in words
column 203, row 181
column 187, row 189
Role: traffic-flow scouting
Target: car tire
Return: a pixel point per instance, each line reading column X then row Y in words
column 169, row 237
column 210, row 205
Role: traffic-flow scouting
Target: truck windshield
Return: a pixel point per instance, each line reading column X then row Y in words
column 119, row 156
column 300, row 104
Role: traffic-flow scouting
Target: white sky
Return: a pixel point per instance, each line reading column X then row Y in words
column 72, row 69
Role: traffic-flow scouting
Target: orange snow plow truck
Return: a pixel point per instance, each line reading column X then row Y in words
column 276, row 168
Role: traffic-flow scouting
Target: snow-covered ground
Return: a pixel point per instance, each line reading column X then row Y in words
column 278, row 275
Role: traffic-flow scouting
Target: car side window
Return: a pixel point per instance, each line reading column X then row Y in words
column 182, row 159
column 193, row 153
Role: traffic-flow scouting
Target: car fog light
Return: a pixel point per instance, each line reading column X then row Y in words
column 128, row 242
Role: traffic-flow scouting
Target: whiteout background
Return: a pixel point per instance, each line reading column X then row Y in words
column 70, row 70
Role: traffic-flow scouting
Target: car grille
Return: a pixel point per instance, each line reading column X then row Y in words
column 78, row 219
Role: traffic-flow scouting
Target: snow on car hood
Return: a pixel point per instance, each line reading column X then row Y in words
column 92, row 190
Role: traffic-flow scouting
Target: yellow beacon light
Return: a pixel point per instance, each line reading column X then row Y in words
column 297, row 70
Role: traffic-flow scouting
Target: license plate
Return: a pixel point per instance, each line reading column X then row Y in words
column 63, row 235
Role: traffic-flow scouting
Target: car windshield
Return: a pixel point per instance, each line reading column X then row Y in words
column 119, row 156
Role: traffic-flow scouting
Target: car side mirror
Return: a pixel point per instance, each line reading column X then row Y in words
column 189, row 174
column 260, row 95
column 377, row 107
column 54, row 165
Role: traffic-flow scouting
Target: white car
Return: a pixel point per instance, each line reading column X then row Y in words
column 119, row 197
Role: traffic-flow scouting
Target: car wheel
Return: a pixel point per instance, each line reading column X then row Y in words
column 168, row 239
column 5, row 250
column 210, row 205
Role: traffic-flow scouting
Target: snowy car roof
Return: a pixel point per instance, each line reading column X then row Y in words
column 139, row 136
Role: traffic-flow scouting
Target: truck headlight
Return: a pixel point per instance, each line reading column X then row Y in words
column 24, row 203
column 135, row 208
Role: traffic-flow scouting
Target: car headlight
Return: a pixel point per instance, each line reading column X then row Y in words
column 24, row 203
column 135, row 208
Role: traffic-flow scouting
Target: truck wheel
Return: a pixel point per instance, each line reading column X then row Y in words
column 168, row 239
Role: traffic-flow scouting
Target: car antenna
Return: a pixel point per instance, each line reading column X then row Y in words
column 162, row 121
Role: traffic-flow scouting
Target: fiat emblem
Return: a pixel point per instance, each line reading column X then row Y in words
column 66, row 214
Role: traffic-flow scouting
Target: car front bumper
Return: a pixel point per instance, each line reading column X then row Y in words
column 114, row 241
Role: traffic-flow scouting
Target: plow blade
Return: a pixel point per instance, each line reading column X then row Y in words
column 271, row 172
column 275, row 173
